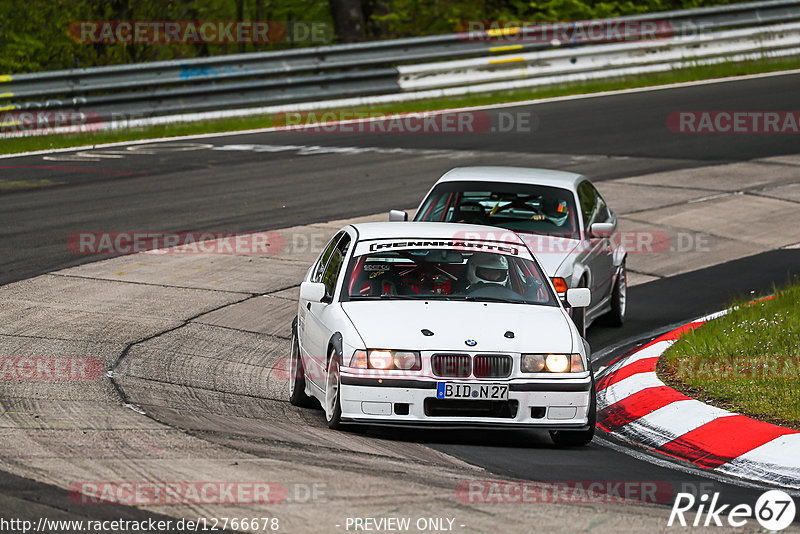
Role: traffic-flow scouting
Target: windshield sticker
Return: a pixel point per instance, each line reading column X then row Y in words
column 382, row 267
column 472, row 245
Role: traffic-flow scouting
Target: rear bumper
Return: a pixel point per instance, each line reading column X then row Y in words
column 556, row 404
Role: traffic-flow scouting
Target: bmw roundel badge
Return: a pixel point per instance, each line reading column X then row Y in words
column 471, row 342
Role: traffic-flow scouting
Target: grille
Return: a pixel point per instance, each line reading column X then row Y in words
column 492, row 366
column 451, row 365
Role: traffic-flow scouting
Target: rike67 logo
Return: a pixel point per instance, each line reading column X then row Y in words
column 774, row 510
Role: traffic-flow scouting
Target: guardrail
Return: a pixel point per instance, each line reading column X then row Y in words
column 596, row 61
column 398, row 69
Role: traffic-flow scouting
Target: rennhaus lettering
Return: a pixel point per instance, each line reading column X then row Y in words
column 450, row 244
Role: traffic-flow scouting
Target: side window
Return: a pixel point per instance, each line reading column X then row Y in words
column 334, row 265
column 588, row 199
column 439, row 209
column 319, row 269
column 603, row 214
column 433, row 209
column 593, row 207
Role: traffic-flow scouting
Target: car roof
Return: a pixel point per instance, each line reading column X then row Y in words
column 430, row 230
column 521, row 175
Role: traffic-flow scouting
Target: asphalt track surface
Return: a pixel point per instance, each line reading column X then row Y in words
column 161, row 189
column 652, row 306
column 154, row 189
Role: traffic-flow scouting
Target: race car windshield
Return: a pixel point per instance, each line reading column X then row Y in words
column 446, row 274
column 522, row 208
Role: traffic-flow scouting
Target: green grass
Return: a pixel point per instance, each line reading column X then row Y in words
column 44, row 142
column 747, row 361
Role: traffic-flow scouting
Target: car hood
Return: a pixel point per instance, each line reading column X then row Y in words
column 398, row 324
column 551, row 251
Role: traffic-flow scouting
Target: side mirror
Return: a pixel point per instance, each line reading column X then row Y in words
column 579, row 297
column 312, row 291
column 398, row 216
column 602, row 229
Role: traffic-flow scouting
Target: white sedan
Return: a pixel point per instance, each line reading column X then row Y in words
column 433, row 324
column 560, row 215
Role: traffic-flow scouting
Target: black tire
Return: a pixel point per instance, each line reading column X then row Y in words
column 578, row 315
column 579, row 318
column 578, row 438
column 297, row 378
column 619, row 299
column 333, row 382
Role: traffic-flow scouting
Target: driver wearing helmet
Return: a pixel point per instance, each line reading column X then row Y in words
column 556, row 211
column 487, row 269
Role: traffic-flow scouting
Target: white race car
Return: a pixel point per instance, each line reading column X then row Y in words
column 434, row 324
column 560, row 215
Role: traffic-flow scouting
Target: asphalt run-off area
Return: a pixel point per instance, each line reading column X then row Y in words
column 171, row 368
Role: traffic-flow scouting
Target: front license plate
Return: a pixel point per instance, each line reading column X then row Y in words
column 456, row 390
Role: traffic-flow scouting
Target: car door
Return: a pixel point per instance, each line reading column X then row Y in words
column 605, row 259
column 596, row 250
column 309, row 333
column 320, row 315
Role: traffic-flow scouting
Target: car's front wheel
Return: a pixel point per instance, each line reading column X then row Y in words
column 297, row 378
column 578, row 438
column 333, row 382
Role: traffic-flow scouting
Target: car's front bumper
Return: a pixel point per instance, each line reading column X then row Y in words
column 546, row 403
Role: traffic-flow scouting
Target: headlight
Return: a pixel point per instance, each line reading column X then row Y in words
column 386, row 359
column 532, row 363
column 557, row 363
column 407, row 361
column 380, row 359
column 552, row 363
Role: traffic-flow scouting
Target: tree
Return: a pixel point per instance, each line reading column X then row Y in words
column 348, row 19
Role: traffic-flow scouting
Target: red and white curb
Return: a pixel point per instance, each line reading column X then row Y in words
column 635, row 405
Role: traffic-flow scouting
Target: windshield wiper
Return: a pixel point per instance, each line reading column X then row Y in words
column 388, row 297
column 471, row 298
